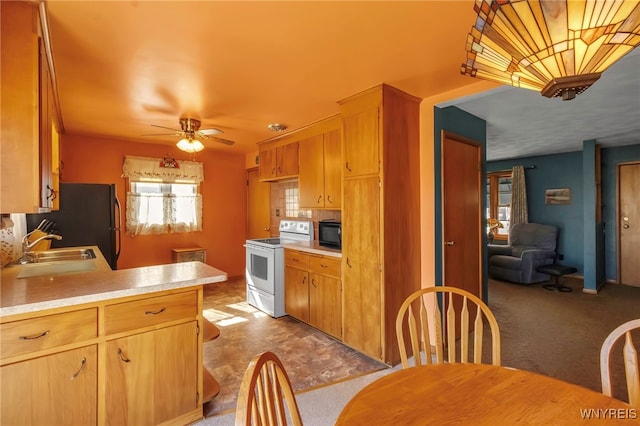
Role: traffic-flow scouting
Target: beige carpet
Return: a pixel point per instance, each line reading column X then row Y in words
column 560, row 334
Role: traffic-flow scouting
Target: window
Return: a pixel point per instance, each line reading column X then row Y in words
column 499, row 201
column 162, row 200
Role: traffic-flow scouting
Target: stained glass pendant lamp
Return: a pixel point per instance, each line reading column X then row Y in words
column 557, row 47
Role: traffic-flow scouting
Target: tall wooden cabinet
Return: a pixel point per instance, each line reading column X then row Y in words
column 380, row 216
column 29, row 132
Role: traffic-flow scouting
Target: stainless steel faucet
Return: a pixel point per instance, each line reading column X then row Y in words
column 27, row 246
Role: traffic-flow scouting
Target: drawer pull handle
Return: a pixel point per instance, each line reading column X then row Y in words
column 319, row 198
column 329, row 199
column 313, row 282
column 324, row 266
column 122, row 357
column 34, row 337
column 347, row 166
column 154, row 313
column 349, row 263
column 84, row 361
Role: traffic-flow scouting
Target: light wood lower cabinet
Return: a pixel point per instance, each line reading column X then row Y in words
column 57, row 389
column 313, row 290
column 152, row 377
column 128, row 361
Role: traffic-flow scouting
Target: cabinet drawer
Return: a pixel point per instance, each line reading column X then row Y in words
column 325, row 266
column 35, row 334
column 151, row 311
column 296, row 259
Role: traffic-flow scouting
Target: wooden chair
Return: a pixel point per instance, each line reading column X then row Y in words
column 630, row 355
column 457, row 312
column 264, row 387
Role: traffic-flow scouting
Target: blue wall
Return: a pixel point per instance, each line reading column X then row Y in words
column 464, row 124
column 611, row 157
column 565, row 171
column 554, row 171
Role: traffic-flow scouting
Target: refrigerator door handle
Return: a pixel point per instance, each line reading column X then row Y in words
column 119, row 227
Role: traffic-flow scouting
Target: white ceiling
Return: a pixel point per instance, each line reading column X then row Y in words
column 523, row 123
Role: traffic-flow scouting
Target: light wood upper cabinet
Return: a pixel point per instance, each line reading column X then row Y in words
column 320, row 175
column 279, row 162
column 361, row 141
column 29, row 125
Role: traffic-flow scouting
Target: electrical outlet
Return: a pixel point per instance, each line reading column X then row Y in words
column 561, row 257
column 277, row 212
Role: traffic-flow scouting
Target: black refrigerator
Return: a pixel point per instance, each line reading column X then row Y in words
column 89, row 215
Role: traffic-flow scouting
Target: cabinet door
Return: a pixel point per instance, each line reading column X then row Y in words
column 361, row 265
column 361, row 141
column 268, row 164
column 325, row 304
column 288, row 159
column 311, row 174
column 296, row 293
column 332, row 170
column 149, row 381
column 51, row 390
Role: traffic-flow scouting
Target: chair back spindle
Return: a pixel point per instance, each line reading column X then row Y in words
column 630, row 357
column 469, row 318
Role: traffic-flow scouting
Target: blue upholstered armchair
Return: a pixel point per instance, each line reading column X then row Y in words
column 532, row 245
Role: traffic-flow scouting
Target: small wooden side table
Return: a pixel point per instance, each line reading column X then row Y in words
column 189, row 254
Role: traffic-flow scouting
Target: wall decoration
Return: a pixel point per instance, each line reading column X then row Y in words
column 558, row 196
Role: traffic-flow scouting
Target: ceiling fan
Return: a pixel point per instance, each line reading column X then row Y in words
column 190, row 132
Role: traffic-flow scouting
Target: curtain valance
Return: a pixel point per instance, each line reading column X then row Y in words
column 147, row 168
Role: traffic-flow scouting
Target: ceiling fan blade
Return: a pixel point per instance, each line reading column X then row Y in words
column 162, row 134
column 163, row 127
column 209, row 132
column 224, row 141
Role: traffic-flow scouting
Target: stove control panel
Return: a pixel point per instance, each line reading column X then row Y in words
column 295, row 226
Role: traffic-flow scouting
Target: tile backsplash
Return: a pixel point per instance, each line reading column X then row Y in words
column 284, row 205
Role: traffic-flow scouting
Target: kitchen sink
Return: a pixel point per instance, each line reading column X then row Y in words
column 56, row 261
column 59, row 255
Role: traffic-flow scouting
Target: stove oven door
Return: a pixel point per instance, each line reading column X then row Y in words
column 260, row 269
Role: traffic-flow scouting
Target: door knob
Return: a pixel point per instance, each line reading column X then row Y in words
column 625, row 226
column 449, row 243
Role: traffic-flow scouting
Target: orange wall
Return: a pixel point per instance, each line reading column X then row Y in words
column 98, row 160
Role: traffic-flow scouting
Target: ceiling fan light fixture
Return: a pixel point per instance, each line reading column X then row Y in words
column 558, row 48
column 190, row 145
column 277, row 127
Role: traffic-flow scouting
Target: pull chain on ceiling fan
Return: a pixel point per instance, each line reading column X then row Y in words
column 190, row 133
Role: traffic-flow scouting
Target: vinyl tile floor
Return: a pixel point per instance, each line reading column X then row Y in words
column 312, row 358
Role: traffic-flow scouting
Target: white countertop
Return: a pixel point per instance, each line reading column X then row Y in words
column 24, row 295
column 313, row 247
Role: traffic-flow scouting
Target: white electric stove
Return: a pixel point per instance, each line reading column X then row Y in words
column 265, row 266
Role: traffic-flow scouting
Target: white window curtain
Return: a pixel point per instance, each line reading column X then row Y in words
column 519, row 212
column 165, row 212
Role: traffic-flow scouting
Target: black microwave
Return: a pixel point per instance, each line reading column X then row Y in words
column 330, row 233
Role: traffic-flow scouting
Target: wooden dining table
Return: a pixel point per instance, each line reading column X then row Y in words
column 479, row 394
